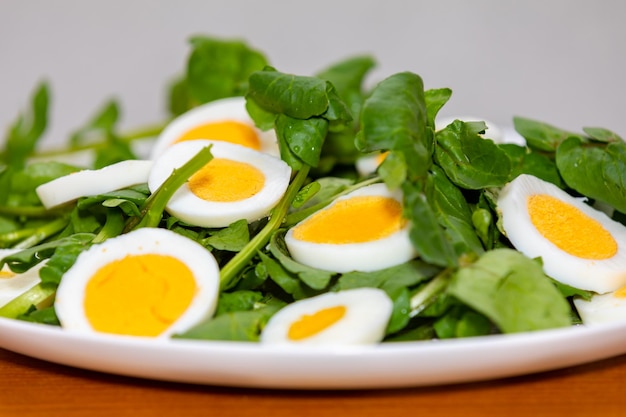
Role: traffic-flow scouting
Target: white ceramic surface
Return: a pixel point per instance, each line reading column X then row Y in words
column 383, row 366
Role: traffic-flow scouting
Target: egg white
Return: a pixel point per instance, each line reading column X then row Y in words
column 12, row 284
column 601, row 308
column 93, row 182
column 600, row 276
column 367, row 314
column 71, row 291
column 367, row 256
column 192, row 209
column 232, row 108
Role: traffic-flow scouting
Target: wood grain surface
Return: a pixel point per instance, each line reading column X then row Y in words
column 30, row 387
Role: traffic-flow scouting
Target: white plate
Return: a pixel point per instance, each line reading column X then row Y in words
column 382, row 366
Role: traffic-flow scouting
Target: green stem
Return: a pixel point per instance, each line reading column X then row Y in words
column 33, row 211
column 141, row 133
column 277, row 216
column 35, row 235
column 152, row 210
column 424, row 297
column 36, row 296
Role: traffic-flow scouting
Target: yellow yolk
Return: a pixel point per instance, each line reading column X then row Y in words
column 355, row 220
column 381, row 157
column 227, row 131
column 570, row 229
column 225, row 180
column 621, row 293
column 139, row 295
column 310, row 325
column 6, row 274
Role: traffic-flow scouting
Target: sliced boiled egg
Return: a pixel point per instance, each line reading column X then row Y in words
column 368, row 164
column 93, row 182
column 13, row 284
column 238, row 183
column 602, row 308
column 150, row 282
column 361, row 231
column 220, row 120
column 349, row 317
column 579, row 245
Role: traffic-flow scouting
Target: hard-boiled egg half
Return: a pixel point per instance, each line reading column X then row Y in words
column 90, row 182
column 361, row 231
column 602, row 308
column 150, row 282
column 220, row 120
column 13, row 284
column 238, row 183
column 579, row 246
column 349, row 317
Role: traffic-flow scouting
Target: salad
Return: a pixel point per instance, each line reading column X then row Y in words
column 281, row 208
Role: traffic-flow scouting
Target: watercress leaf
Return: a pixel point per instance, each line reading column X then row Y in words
column 23, row 182
column 305, row 194
column 287, row 281
column 524, row 161
column 25, row 259
column 219, row 68
column 100, row 125
column 132, row 195
column 470, row 161
column 237, row 301
column 116, row 150
column 596, row 172
column 63, row 258
column 240, row 326
column 427, row 235
column 299, row 97
column 541, row 136
column 179, row 100
column 393, row 169
column 232, row 238
column 347, row 76
column 502, row 284
column 400, row 312
column 26, row 131
column 601, row 134
column 453, row 213
column 316, row 279
column 263, row 119
column 303, row 137
column 435, row 99
column 394, row 117
column 462, row 322
column 389, row 279
column 338, row 114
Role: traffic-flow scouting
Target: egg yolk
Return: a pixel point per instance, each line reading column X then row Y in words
column 139, row 295
column 311, row 324
column 570, row 229
column 228, row 131
column 225, row 180
column 354, row 220
column 6, row 274
column 620, row 293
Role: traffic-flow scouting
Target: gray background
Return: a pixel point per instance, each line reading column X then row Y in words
column 554, row 60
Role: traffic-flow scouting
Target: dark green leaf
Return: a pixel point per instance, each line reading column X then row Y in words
column 539, row 135
column 232, row 238
column 304, row 137
column 469, row 160
column 512, row 291
column 601, row 134
column 596, row 172
column 435, row 100
column 229, row 302
column 219, row 68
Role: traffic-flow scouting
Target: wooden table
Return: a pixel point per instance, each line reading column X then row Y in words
column 30, row 387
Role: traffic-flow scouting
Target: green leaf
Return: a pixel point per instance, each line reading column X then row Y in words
column 394, row 117
column 462, row 322
column 524, row 161
column 427, row 235
column 601, row 134
column 219, row 68
column 244, row 300
column 453, row 212
column 241, row 326
column 512, row 291
column 299, row 97
column 314, row 278
column 26, row 131
column 303, row 137
column 232, row 238
column 100, row 125
column 539, row 135
column 470, row 161
column 435, row 100
column 596, row 172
